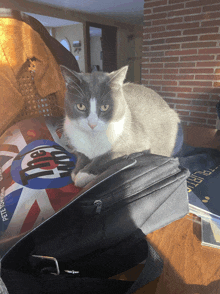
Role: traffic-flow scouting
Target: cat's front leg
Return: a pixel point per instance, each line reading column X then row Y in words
column 92, row 170
column 82, row 161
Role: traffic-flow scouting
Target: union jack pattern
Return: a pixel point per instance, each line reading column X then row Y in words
column 35, row 177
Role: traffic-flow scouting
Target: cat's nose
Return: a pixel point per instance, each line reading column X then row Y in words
column 92, row 126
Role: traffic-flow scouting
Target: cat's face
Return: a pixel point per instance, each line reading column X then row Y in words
column 93, row 101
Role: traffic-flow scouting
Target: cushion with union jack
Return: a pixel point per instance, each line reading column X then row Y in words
column 35, row 181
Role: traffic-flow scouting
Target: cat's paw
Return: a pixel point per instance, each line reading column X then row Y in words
column 73, row 175
column 81, row 179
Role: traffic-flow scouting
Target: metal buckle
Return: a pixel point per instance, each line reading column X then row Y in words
column 57, row 265
column 50, row 258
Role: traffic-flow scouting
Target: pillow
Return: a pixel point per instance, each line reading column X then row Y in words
column 35, row 180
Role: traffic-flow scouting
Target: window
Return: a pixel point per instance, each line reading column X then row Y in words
column 66, row 44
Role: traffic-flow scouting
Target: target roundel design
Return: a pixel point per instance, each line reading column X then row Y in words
column 43, row 164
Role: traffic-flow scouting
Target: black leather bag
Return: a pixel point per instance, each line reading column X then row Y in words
column 102, row 232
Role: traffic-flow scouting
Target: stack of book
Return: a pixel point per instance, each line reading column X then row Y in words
column 204, row 201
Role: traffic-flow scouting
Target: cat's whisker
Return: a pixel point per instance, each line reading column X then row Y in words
column 80, row 92
column 105, row 94
column 77, row 87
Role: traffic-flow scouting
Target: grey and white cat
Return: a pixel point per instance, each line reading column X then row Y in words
column 106, row 118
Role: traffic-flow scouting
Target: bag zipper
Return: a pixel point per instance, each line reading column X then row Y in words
column 98, row 204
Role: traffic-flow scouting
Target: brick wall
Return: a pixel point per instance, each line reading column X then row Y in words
column 181, row 56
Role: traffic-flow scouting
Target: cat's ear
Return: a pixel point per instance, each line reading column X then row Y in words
column 70, row 75
column 118, row 76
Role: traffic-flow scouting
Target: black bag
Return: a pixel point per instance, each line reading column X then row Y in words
column 102, row 232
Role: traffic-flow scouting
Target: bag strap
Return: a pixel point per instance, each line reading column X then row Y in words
column 152, row 270
column 31, row 280
column 25, row 283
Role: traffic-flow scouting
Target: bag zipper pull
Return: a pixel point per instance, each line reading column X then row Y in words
column 98, row 204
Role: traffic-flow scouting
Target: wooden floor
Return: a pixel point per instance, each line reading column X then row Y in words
column 189, row 268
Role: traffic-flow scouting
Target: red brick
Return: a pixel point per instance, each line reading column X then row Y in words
column 154, row 3
column 202, row 16
column 196, row 70
column 154, row 29
column 175, row 1
column 217, row 70
column 153, row 53
column 216, row 84
column 215, row 98
column 162, row 82
column 185, row 12
column 182, row 26
column 165, row 47
column 200, row 3
column 215, row 91
column 212, row 121
column 193, row 3
column 167, row 94
column 165, row 71
column 178, row 101
column 165, row 34
column 147, row 11
column 198, row 31
column 181, row 52
column 152, row 77
column 203, row 102
column 147, row 23
column 212, row 110
column 165, row 59
column 209, row 51
column 202, row 90
column 182, row 112
column 155, row 88
column 193, row 119
column 207, row 64
column 156, row 16
column 177, row 89
column 179, row 77
column 168, row 8
column 193, row 96
column 152, row 65
column 195, row 84
column 200, row 125
column 211, row 8
column 209, row 37
column 175, row 65
column 207, row 77
column 182, row 39
column 210, row 23
column 196, row 57
column 193, row 108
column 208, row 2
column 198, row 44
column 145, row 59
column 203, row 115
column 152, row 42
column 167, row 21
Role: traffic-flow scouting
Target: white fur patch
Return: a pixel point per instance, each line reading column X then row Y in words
column 82, row 179
column 90, row 142
column 93, row 117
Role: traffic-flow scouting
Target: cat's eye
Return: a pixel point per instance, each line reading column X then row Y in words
column 104, row 107
column 81, row 106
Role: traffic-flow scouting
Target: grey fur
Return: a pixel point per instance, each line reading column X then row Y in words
column 137, row 119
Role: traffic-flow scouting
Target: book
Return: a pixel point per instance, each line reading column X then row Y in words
column 210, row 233
column 204, row 193
column 204, row 201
